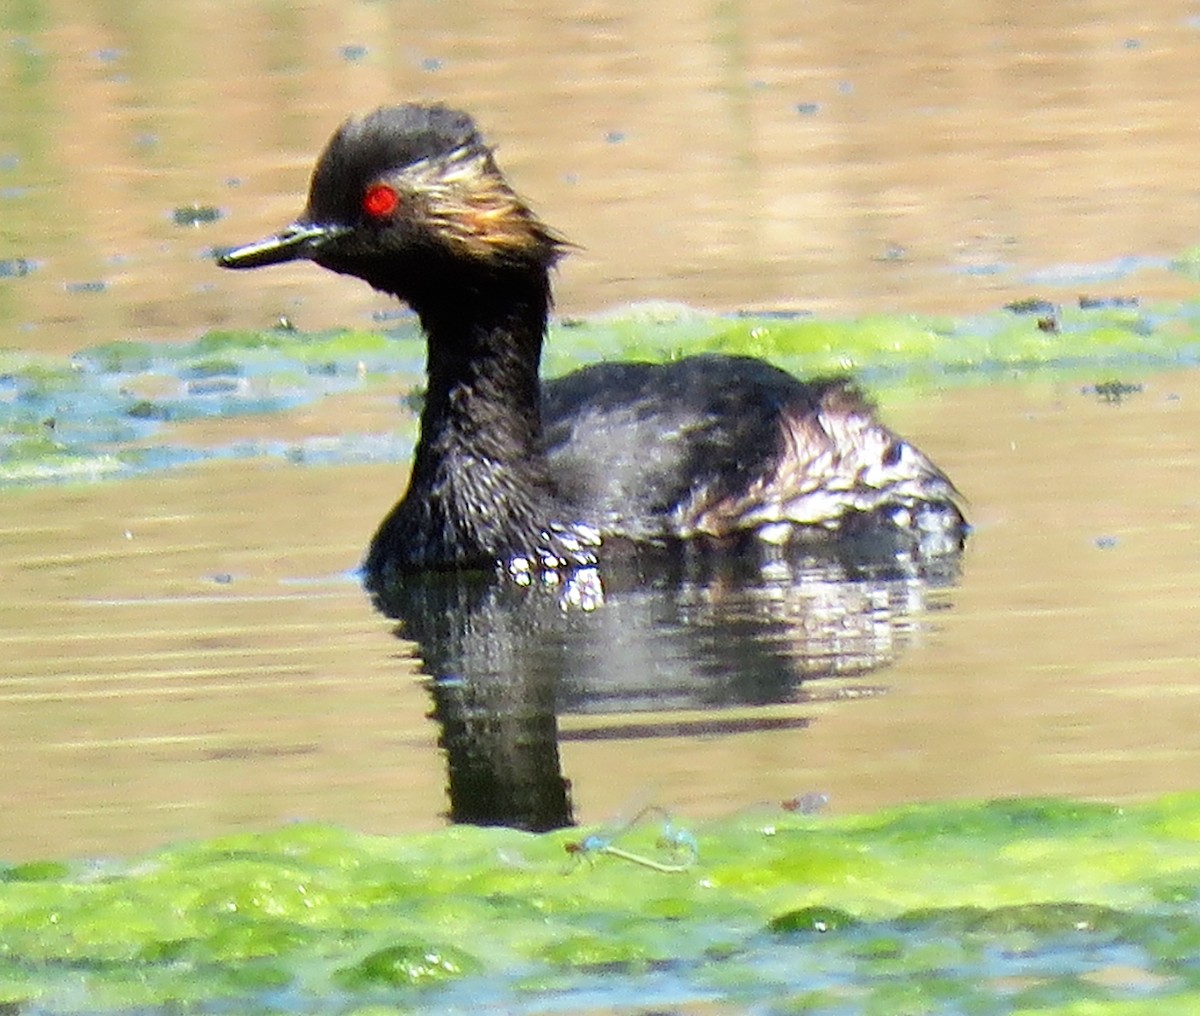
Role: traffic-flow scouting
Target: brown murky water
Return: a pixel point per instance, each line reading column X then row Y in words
column 186, row 653
column 844, row 157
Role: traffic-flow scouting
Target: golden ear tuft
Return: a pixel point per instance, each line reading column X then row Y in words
column 472, row 207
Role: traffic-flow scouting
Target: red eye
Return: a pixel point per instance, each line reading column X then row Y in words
column 380, row 201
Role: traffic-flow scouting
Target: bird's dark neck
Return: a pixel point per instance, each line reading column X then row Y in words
column 480, row 491
column 484, row 352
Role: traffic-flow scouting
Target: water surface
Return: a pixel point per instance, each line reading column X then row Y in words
column 182, row 660
column 188, row 652
column 841, row 157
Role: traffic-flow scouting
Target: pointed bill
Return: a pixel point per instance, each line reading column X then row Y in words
column 300, row 240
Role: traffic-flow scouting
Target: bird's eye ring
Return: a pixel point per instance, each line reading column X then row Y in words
column 380, row 201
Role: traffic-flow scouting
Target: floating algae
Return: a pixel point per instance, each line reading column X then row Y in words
column 113, row 409
column 1047, row 906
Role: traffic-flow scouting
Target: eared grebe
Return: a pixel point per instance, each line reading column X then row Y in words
column 515, row 473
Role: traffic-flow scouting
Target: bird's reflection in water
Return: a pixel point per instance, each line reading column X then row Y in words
column 660, row 631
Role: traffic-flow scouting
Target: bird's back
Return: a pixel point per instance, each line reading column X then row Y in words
column 720, row 445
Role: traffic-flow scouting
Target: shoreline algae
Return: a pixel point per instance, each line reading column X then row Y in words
column 1037, row 905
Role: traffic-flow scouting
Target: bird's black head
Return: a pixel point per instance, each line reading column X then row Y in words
column 405, row 198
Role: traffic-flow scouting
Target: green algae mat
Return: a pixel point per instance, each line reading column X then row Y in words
column 1014, row 906
column 111, row 410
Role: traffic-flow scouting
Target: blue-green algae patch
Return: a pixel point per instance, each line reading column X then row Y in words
column 114, row 409
column 1017, row 906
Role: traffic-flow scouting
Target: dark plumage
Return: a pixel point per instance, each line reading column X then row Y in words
column 511, row 472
